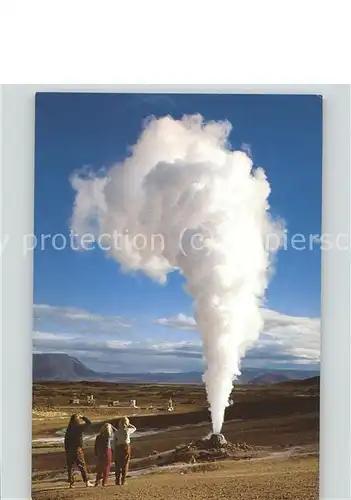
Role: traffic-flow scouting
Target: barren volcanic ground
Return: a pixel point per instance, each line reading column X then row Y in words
column 279, row 423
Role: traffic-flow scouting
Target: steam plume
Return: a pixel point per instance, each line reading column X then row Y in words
column 183, row 200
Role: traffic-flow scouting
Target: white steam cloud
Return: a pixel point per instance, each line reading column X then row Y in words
column 201, row 208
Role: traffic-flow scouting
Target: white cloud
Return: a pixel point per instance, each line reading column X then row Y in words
column 65, row 342
column 124, row 355
column 246, row 148
column 180, row 321
column 286, row 341
column 284, row 338
column 50, row 336
column 291, row 336
column 76, row 320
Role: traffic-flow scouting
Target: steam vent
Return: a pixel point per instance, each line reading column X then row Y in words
column 209, row 449
column 217, row 441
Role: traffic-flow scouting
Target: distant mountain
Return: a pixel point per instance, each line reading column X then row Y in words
column 64, row 368
column 55, row 366
column 281, row 376
column 269, row 378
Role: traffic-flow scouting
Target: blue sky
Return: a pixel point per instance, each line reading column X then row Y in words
column 82, row 300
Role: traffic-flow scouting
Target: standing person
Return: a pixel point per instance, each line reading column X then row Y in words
column 74, row 447
column 122, row 449
column 103, row 453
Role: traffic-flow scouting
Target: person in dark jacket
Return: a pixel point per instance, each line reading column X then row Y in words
column 74, row 447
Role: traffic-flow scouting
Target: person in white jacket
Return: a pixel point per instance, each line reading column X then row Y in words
column 122, row 449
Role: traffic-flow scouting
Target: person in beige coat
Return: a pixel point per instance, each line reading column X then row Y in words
column 122, row 449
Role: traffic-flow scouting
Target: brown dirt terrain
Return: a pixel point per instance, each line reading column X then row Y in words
column 272, row 421
column 293, row 480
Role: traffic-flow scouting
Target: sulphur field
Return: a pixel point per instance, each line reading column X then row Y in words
column 275, row 429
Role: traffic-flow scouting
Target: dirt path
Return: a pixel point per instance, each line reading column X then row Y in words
column 294, row 479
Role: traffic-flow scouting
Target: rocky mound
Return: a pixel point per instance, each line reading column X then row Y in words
column 210, row 450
